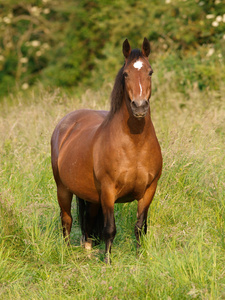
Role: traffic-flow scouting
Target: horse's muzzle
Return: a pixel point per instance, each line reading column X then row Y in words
column 139, row 108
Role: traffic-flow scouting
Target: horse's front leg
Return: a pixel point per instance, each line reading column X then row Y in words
column 143, row 206
column 109, row 230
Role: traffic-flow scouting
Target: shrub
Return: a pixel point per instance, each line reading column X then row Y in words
column 79, row 42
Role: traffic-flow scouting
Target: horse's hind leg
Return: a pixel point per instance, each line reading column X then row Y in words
column 93, row 227
column 91, row 223
column 65, row 199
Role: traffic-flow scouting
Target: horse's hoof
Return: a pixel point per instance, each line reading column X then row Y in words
column 88, row 244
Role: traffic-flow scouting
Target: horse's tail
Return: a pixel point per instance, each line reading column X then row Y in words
column 97, row 226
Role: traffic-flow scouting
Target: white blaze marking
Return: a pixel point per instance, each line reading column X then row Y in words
column 140, row 88
column 138, row 64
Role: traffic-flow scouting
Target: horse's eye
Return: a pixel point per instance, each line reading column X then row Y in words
column 150, row 73
column 125, row 74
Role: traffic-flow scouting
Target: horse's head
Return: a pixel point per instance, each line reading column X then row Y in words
column 137, row 76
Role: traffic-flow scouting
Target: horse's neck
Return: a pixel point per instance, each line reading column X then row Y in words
column 128, row 124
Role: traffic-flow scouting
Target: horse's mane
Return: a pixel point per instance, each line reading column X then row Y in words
column 118, row 88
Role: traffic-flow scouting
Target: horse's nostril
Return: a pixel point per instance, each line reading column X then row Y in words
column 134, row 104
column 145, row 104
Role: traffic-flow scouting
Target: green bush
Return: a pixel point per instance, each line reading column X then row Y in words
column 79, row 42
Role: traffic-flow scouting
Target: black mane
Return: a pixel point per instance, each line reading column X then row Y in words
column 118, row 88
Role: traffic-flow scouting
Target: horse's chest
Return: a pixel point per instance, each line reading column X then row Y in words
column 133, row 179
column 127, row 167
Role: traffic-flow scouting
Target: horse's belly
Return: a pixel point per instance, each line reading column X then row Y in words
column 80, row 183
column 76, row 172
column 135, row 193
column 125, row 199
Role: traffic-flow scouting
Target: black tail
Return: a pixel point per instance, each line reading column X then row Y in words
column 95, row 229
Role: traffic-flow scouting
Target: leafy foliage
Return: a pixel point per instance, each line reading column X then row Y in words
column 79, row 42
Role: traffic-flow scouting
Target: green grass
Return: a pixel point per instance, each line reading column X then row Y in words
column 183, row 254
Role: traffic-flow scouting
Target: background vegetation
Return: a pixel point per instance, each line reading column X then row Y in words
column 71, row 43
column 57, row 56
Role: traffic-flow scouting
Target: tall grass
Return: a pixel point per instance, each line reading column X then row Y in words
column 182, row 256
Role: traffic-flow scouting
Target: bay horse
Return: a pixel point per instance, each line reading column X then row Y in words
column 109, row 157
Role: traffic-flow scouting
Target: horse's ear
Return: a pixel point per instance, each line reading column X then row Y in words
column 126, row 48
column 146, row 49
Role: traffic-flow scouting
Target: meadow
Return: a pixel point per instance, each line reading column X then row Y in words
column 183, row 254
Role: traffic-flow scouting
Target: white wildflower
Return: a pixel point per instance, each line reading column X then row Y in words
column 46, row 11
column 167, row 1
column 2, row 58
column 38, row 53
column 7, row 20
column 210, row 52
column 201, row 3
column 220, row 57
column 215, row 24
column 35, row 43
column 210, row 16
column 24, row 60
column 25, row 86
column 45, row 46
column 35, row 10
column 219, row 18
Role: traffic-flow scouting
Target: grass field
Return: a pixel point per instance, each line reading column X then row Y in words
column 183, row 254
